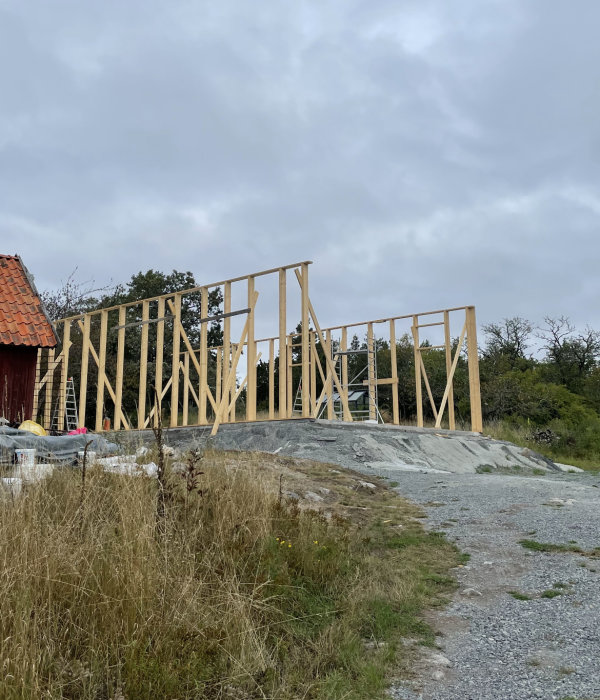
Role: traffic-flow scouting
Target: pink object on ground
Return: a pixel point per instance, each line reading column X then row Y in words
column 78, row 431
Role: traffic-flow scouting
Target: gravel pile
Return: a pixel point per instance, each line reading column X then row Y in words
column 523, row 623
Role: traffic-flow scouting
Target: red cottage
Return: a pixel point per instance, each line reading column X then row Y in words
column 24, row 327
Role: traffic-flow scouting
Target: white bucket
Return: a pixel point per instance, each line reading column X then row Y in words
column 26, row 467
column 12, row 484
column 91, row 457
column 25, row 458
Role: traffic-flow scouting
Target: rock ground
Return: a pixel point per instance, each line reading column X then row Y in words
column 357, row 445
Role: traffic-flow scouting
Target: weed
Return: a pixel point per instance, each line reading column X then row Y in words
column 551, row 593
column 519, row 596
column 566, row 670
column 536, row 546
column 161, row 472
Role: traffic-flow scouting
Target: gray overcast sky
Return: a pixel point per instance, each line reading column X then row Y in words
column 422, row 153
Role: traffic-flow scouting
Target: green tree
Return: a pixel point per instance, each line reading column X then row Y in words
column 570, row 356
column 506, row 345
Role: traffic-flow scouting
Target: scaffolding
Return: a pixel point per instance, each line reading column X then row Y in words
column 361, row 393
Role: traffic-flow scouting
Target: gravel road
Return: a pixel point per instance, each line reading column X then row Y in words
column 492, row 645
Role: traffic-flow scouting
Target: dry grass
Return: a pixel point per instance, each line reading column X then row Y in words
column 238, row 594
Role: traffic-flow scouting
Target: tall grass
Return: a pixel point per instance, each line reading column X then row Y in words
column 235, row 595
column 569, row 443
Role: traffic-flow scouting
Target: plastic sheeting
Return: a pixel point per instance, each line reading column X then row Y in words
column 56, row 449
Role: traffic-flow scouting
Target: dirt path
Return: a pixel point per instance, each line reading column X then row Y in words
column 491, row 644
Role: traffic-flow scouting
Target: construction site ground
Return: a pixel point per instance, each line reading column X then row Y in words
column 524, row 620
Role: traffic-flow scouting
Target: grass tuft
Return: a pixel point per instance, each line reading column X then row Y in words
column 551, row 593
column 536, row 546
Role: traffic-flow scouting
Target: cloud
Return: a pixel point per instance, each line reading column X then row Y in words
column 422, row 154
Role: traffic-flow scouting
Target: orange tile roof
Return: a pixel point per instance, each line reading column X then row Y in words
column 23, row 320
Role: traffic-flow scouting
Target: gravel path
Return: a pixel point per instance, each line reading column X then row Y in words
column 491, row 645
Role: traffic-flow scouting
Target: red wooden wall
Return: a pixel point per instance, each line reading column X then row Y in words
column 17, row 381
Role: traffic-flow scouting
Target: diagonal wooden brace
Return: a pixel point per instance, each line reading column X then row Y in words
column 330, row 366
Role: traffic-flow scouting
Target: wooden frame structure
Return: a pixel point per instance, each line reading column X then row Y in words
column 200, row 384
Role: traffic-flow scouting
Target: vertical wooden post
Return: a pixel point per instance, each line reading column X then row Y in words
column 418, row 383
column 233, row 385
column 175, row 362
column 313, row 373
column 272, row 379
column 371, row 350
column 251, row 358
column 231, row 377
column 448, row 345
column 64, row 374
column 290, row 388
column 143, row 364
column 120, row 362
column 160, row 349
column 49, row 386
column 85, row 354
column 282, row 368
column 227, row 350
column 305, row 343
column 344, row 348
column 330, row 366
column 394, row 371
column 186, row 387
column 473, row 360
column 203, row 357
column 101, row 371
column 219, row 375
column 329, row 381
column 36, row 395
